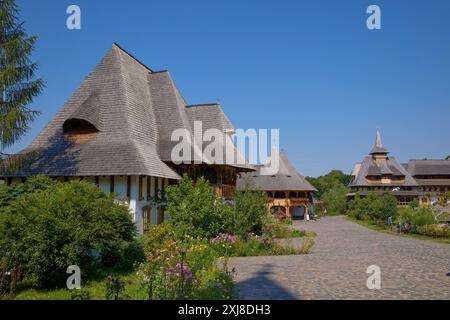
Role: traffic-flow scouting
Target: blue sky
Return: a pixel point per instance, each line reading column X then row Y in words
column 310, row 68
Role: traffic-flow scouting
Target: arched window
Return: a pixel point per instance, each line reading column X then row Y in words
column 79, row 130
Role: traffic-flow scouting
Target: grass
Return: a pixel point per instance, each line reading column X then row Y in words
column 379, row 228
column 96, row 288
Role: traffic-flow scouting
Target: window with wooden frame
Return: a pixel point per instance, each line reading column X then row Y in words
column 146, row 218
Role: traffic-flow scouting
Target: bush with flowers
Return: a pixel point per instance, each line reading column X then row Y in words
column 187, row 255
column 179, row 268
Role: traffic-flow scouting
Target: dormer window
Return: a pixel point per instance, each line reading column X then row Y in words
column 79, row 130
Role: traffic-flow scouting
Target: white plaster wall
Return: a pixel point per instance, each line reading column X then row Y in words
column 105, row 184
column 120, row 187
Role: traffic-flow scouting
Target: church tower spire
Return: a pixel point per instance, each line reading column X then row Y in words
column 379, row 150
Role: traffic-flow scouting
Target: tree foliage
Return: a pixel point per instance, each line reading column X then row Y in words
column 332, row 191
column 250, row 210
column 374, row 207
column 17, row 84
column 194, row 210
column 47, row 226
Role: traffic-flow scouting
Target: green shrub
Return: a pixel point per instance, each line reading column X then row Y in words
column 131, row 252
column 405, row 214
column 194, row 210
column 46, row 229
column 434, row 230
column 307, row 245
column 375, row 206
column 414, row 203
column 423, row 217
column 334, row 200
column 250, row 210
column 157, row 236
column 184, row 269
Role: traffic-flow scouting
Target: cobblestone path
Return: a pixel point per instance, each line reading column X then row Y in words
column 336, row 268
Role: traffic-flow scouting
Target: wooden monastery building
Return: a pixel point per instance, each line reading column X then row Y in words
column 425, row 180
column 115, row 131
column 289, row 193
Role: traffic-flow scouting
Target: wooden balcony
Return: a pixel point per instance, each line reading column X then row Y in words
column 288, row 202
column 224, row 191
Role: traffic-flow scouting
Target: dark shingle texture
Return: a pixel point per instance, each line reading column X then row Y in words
column 134, row 109
column 390, row 166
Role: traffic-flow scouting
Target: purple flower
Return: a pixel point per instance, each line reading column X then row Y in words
column 170, row 271
column 130, row 282
column 187, row 272
column 219, row 285
column 187, row 280
column 178, row 266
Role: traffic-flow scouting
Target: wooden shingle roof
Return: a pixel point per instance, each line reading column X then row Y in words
column 287, row 178
column 135, row 111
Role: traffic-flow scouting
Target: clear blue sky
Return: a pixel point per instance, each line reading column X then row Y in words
column 310, row 68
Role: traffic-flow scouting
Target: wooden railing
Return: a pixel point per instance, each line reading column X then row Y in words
column 288, row 201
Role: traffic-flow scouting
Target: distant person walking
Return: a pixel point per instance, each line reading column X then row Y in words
column 389, row 222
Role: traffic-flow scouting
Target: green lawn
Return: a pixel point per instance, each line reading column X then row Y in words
column 96, row 288
column 375, row 227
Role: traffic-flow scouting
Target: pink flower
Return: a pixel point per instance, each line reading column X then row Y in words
column 130, row 282
column 149, row 259
column 109, row 278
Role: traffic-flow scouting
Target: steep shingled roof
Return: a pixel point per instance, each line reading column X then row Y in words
column 369, row 167
column 287, row 178
column 134, row 110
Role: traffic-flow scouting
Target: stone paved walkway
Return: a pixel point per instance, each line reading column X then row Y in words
column 336, row 268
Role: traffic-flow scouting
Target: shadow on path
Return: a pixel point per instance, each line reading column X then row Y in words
column 263, row 286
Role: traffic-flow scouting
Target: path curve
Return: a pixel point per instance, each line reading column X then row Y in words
column 336, row 268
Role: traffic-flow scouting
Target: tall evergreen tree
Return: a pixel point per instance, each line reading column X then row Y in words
column 18, row 85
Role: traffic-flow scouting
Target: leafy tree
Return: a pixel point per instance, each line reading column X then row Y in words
column 194, row 210
column 332, row 191
column 329, row 181
column 447, row 158
column 53, row 225
column 375, row 207
column 335, row 199
column 250, row 210
column 17, row 87
column 414, row 203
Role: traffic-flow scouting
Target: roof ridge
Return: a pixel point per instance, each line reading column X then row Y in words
column 132, row 56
